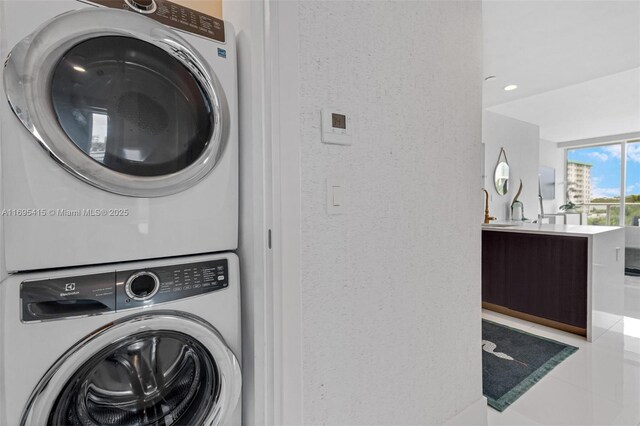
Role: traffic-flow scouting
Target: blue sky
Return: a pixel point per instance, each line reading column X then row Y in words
column 605, row 173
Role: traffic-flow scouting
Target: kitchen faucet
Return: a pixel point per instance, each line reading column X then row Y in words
column 487, row 218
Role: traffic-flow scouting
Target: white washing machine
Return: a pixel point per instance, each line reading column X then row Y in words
column 153, row 343
column 118, row 132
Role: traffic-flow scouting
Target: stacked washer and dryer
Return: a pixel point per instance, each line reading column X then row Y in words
column 120, row 298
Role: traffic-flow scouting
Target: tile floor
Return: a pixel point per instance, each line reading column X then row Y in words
column 598, row 385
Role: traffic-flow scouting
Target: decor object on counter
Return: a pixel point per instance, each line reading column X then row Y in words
column 517, row 208
column 513, row 361
column 487, row 218
column 501, row 174
column 569, row 207
column 547, row 181
column 572, row 188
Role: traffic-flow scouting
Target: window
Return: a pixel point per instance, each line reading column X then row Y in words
column 594, row 183
column 632, row 186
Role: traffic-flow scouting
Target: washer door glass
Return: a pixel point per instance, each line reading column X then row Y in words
column 150, row 378
column 131, row 106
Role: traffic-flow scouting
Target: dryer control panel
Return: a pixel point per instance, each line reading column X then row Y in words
column 67, row 297
column 171, row 14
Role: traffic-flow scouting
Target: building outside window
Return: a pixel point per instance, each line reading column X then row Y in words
column 579, row 174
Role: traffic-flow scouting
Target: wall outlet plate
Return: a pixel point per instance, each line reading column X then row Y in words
column 337, row 128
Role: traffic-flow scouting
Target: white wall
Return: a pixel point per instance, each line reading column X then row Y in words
column 521, row 142
column 390, row 290
column 552, row 156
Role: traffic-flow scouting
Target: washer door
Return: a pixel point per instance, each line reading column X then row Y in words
column 166, row 368
column 119, row 100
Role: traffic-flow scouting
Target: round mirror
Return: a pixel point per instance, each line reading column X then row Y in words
column 501, row 175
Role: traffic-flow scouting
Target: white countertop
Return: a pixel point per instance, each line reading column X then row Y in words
column 551, row 229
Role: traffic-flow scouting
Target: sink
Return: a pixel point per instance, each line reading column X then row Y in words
column 497, row 225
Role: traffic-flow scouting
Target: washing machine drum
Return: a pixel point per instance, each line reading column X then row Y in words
column 161, row 375
column 153, row 378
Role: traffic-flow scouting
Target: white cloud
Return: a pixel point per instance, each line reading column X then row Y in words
column 633, row 152
column 633, row 186
column 605, row 192
column 633, row 189
column 612, row 150
column 600, row 156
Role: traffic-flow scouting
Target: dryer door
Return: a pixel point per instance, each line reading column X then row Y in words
column 119, row 100
column 166, row 368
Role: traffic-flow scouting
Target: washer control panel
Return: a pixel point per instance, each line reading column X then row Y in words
column 137, row 288
column 68, row 297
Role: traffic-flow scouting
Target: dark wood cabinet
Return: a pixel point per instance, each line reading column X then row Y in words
column 543, row 276
column 494, row 271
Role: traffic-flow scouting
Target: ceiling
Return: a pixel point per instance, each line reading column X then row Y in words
column 577, row 65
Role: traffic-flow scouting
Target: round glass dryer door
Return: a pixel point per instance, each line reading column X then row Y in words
column 130, row 108
column 148, row 369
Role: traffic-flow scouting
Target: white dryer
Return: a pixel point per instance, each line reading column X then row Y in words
column 119, row 136
column 153, row 343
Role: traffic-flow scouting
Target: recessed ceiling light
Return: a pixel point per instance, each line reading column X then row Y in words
column 510, row 87
column 79, row 69
column 491, row 77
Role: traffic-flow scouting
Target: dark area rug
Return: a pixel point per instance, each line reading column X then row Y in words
column 513, row 361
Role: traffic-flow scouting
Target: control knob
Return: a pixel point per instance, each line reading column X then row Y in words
column 144, row 6
column 142, row 285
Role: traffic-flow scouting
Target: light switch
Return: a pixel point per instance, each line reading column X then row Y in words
column 335, row 196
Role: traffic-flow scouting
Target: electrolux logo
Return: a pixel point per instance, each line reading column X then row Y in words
column 69, row 290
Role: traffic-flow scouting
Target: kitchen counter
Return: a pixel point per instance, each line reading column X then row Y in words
column 549, row 229
column 569, row 277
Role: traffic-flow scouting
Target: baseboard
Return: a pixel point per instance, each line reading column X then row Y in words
column 538, row 320
column 473, row 415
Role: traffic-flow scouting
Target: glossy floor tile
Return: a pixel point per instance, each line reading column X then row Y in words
column 598, row 385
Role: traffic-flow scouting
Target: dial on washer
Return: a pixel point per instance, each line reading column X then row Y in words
column 142, row 286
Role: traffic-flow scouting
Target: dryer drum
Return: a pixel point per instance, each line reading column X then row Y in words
column 151, row 378
column 131, row 106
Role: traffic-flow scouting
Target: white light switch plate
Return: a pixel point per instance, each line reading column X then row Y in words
column 336, row 195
